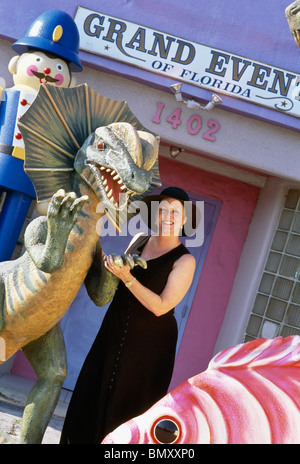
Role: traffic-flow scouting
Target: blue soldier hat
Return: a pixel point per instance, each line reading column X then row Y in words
column 55, row 32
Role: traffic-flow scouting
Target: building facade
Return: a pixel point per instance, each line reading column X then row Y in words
column 238, row 157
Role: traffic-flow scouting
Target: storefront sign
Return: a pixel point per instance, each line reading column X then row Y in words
column 190, row 62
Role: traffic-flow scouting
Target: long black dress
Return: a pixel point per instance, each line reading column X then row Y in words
column 130, row 364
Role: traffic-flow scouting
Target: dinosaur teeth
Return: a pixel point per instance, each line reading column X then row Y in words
column 107, row 184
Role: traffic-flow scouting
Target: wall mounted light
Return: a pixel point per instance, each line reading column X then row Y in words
column 175, row 151
column 192, row 104
column 176, row 88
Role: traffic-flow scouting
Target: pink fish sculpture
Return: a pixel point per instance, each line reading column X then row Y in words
column 249, row 394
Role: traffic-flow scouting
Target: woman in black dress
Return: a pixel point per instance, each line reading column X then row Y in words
column 130, row 364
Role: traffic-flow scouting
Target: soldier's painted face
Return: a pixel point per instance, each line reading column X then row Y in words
column 36, row 68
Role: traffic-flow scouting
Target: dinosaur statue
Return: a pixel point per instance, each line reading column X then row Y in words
column 63, row 251
column 292, row 13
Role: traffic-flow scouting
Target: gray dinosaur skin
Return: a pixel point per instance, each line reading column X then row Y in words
column 292, row 13
column 63, row 251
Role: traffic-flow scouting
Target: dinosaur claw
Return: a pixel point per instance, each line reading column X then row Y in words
column 79, row 202
column 118, row 260
column 138, row 261
column 64, row 210
column 127, row 259
column 59, row 193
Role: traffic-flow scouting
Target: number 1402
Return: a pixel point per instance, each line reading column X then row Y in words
column 194, row 123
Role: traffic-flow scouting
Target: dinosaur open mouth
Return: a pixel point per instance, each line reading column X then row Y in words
column 112, row 185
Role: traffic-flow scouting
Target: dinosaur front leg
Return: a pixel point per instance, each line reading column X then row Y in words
column 101, row 284
column 48, row 358
column 46, row 242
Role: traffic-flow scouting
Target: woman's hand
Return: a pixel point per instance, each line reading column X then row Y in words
column 179, row 281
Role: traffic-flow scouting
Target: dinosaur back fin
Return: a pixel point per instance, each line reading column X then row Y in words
column 55, row 127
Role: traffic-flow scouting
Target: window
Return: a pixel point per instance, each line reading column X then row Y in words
column 276, row 310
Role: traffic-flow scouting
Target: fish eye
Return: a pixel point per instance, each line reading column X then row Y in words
column 166, row 430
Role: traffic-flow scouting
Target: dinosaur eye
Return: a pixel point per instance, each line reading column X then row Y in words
column 166, row 430
column 100, row 145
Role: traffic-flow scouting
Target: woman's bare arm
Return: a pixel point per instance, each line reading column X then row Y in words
column 177, row 285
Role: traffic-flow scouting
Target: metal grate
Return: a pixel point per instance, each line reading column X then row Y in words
column 276, row 310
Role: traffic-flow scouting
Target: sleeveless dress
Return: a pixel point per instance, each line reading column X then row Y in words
column 130, row 364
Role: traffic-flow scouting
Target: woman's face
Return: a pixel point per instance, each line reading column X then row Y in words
column 171, row 217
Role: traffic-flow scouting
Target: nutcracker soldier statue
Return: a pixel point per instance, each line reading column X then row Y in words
column 47, row 54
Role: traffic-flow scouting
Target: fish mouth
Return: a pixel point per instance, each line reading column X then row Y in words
column 111, row 185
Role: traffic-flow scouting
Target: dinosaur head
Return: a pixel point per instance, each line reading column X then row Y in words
column 292, row 13
column 115, row 161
